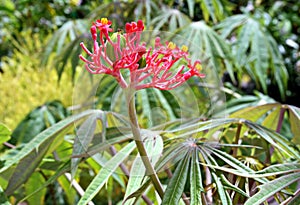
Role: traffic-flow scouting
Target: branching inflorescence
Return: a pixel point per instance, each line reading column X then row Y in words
column 165, row 66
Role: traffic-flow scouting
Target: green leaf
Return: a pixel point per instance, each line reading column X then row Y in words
column 221, row 190
column 179, row 19
column 176, row 185
column 4, row 133
column 61, row 170
column 295, row 123
column 195, row 180
column 3, row 198
column 271, row 121
column 68, row 188
column 102, row 146
column 279, row 169
column 38, row 120
column 49, row 133
column 103, row 175
column 253, row 113
column 239, row 167
column 191, row 5
column 167, row 106
column 274, row 138
column 229, row 185
column 36, row 180
column 259, row 51
column 269, row 189
column 26, row 167
column 175, row 150
column 208, row 9
column 84, row 136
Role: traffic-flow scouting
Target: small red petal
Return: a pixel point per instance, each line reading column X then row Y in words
column 140, row 25
column 128, row 27
column 94, row 32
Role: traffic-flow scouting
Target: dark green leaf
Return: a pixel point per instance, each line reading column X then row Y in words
column 176, row 185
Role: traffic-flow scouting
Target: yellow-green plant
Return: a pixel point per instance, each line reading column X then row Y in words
column 24, row 84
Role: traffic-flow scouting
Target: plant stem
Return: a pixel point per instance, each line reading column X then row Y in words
column 130, row 99
column 237, row 138
column 281, row 117
column 278, row 128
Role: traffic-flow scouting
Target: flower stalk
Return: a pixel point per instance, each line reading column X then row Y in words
column 130, row 96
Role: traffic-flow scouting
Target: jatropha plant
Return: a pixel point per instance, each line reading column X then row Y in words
column 227, row 178
column 137, row 66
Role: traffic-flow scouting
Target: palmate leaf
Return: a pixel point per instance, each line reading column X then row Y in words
column 41, row 138
column 205, row 44
column 254, row 113
column 176, row 185
column 214, row 9
column 106, row 171
column 68, row 32
column 269, row 189
column 172, row 18
column 256, row 51
column 275, row 139
column 65, row 43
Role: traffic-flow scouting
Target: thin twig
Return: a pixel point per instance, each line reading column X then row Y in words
column 76, row 186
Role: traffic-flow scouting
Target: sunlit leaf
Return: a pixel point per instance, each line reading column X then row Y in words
column 61, row 170
column 41, row 138
column 106, row 171
column 269, row 189
column 36, row 180
column 4, row 133
column 295, row 123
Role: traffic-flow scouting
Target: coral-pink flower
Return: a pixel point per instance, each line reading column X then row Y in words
column 165, row 66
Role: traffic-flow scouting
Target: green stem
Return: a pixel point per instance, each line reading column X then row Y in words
column 130, row 98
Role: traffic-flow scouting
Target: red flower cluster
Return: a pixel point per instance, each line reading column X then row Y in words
column 164, row 67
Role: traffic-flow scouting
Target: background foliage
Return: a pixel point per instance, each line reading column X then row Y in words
column 249, row 157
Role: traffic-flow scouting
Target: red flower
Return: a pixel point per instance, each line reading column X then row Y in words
column 164, row 66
